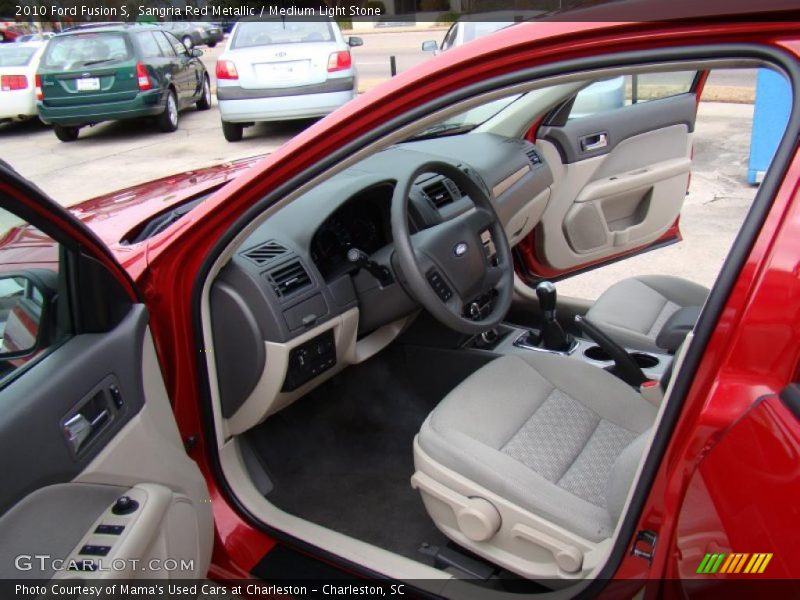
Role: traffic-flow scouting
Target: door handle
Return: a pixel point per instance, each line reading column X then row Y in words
column 594, row 142
column 78, row 429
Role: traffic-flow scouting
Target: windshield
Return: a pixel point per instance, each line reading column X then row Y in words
column 15, row 56
column 476, row 29
column 467, row 120
column 85, row 49
column 264, row 33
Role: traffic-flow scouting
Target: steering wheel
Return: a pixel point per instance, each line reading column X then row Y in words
column 445, row 266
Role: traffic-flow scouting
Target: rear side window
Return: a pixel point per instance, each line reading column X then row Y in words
column 265, row 33
column 166, row 47
column 85, row 50
column 13, row 56
column 148, row 44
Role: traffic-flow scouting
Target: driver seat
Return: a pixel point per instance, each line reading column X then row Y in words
column 528, row 462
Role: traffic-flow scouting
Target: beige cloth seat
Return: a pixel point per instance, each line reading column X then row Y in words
column 633, row 311
column 548, row 446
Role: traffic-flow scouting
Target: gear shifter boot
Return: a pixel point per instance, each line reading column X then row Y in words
column 553, row 335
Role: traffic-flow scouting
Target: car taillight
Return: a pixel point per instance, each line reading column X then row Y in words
column 226, row 70
column 13, row 82
column 339, row 61
column 144, row 79
column 38, row 83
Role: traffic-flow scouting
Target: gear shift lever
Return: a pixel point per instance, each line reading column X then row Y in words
column 553, row 335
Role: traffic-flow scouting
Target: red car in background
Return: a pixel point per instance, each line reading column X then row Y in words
column 280, row 317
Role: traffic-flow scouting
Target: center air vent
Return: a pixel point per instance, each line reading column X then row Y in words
column 533, row 156
column 288, row 278
column 266, row 252
column 441, row 192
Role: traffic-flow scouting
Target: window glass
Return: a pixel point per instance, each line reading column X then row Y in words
column 85, row 49
column 12, row 55
column 149, row 45
column 164, row 44
column 265, row 33
column 28, row 295
column 616, row 92
column 177, row 45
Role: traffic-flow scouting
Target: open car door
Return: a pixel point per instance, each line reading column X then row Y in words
column 620, row 152
column 96, row 481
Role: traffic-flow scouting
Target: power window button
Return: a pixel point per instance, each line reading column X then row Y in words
column 109, row 529
column 91, row 550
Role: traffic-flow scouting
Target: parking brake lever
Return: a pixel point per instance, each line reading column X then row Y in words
column 626, row 367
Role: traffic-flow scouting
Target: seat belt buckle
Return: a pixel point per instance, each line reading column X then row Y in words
column 652, row 392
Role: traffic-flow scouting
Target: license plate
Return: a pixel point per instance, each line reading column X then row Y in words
column 293, row 69
column 88, row 84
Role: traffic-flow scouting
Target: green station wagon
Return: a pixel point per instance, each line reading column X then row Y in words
column 117, row 72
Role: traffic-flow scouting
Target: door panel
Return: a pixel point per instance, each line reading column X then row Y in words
column 94, row 466
column 53, row 499
column 620, row 179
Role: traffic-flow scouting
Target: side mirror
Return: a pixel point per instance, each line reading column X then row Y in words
column 354, row 41
column 430, row 46
column 26, row 301
column 195, row 53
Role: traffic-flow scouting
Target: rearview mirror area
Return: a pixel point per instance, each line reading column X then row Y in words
column 25, row 301
column 430, row 46
column 354, row 41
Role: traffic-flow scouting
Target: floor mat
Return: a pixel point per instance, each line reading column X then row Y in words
column 341, row 457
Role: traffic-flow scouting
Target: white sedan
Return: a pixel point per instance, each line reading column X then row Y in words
column 18, row 64
column 280, row 70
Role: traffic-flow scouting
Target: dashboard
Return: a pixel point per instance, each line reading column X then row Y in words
column 363, row 222
column 289, row 309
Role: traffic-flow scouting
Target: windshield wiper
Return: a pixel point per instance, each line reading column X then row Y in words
column 97, row 62
column 442, row 130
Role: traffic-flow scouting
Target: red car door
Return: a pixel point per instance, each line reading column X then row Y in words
column 91, row 447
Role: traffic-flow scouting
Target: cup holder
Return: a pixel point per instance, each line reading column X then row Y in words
column 596, row 353
column 645, row 361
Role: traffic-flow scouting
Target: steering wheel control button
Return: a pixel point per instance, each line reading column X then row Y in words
column 124, row 505
column 439, row 286
column 109, row 529
column 92, row 550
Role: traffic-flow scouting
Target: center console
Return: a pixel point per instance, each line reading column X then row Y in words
column 509, row 339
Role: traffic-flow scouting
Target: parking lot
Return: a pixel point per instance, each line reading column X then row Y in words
column 114, row 155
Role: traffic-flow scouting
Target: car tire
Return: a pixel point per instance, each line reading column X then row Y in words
column 66, row 134
column 212, row 44
column 233, row 132
column 204, row 103
column 187, row 41
column 168, row 120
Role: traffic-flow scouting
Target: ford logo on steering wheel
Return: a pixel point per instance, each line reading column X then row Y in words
column 460, row 249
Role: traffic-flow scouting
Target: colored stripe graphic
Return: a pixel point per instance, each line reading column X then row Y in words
column 737, row 562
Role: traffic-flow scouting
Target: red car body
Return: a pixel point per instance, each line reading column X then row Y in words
column 729, row 475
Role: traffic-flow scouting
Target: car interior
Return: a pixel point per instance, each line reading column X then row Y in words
column 389, row 383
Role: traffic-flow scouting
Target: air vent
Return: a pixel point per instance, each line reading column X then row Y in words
column 288, row 278
column 440, row 193
column 266, row 252
column 533, row 156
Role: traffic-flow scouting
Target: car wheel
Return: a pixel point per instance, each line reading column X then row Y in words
column 232, row 131
column 212, row 44
column 168, row 120
column 187, row 41
column 204, row 103
column 66, row 134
